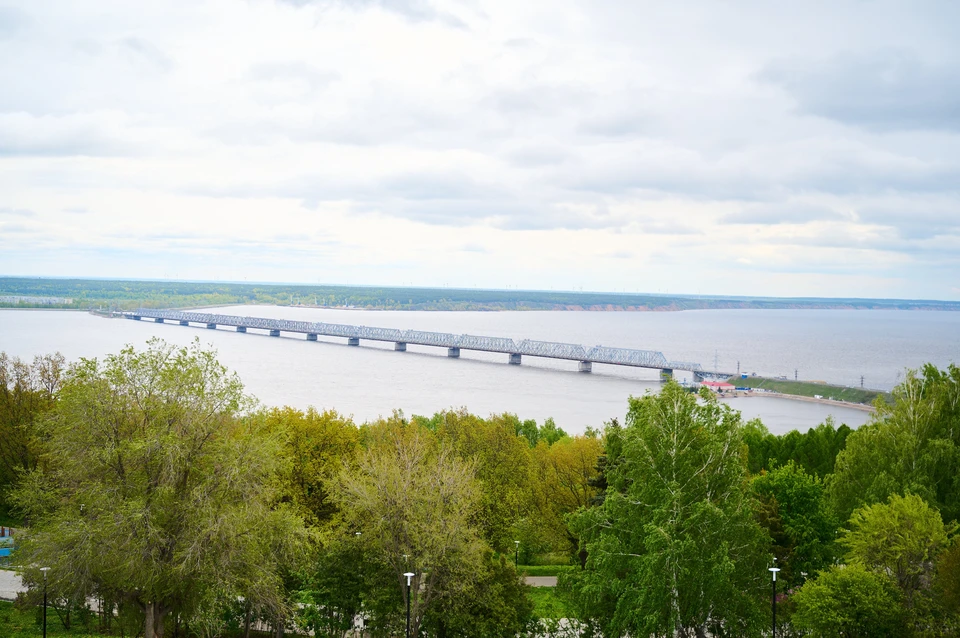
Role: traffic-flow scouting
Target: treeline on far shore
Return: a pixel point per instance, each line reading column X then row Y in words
column 86, row 294
column 150, row 483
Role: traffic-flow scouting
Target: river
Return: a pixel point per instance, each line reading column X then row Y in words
column 836, row 346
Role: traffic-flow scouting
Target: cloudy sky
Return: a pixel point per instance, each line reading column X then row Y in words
column 767, row 148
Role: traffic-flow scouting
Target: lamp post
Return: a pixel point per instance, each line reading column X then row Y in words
column 44, row 570
column 773, row 582
column 516, row 555
column 409, row 575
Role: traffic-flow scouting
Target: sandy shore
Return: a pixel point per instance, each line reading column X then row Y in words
column 779, row 395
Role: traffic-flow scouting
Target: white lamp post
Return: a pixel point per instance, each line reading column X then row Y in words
column 516, row 555
column 409, row 575
column 773, row 573
column 44, row 570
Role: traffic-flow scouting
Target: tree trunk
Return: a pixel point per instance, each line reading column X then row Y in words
column 246, row 622
column 153, row 620
column 148, row 621
column 159, row 615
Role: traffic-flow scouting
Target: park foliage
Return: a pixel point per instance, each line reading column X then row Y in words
column 150, row 483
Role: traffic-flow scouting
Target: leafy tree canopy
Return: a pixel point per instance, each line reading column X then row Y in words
column 912, row 446
column 674, row 549
column 900, row 538
column 793, row 508
column 155, row 491
column 849, row 601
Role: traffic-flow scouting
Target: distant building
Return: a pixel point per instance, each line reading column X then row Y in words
column 41, row 301
column 719, row 386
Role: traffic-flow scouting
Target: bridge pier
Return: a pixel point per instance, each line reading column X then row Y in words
column 586, row 366
column 241, row 328
column 353, row 341
column 698, row 377
column 184, row 322
column 453, row 353
column 666, row 374
column 212, row 326
column 274, row 333
column 400, row 346
column 311, row 336
column 158, row 320
column 514, row 359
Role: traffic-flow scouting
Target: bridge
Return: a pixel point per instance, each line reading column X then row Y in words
column 515, row 350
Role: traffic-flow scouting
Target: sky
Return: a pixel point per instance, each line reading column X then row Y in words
column 696, row 147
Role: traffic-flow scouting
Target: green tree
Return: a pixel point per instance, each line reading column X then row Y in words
column 793, row 508
column 334, row 592
column 550, row 432
column 900, row 538
column 849, row 601
column 675, row 549
column 415, row 504
column 27, row 392
column 495, row 605
column 815, row 450
column 912, row 446
column 155, row 491
column 946, row 584
column 501, row 461
column 316, row 445
column 561, row 483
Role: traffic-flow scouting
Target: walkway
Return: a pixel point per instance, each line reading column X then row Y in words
column 10, row 585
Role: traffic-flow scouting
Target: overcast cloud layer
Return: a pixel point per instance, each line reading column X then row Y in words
column 763, row 148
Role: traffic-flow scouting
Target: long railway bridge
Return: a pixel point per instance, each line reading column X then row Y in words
column 515, row 350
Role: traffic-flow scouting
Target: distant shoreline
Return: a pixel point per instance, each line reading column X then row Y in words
column 83, row 294
column 863, row 407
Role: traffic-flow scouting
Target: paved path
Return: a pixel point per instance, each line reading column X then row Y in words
column 9, row 585
column 541, row 581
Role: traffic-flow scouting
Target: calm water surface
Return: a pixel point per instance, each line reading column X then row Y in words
column 833, row 345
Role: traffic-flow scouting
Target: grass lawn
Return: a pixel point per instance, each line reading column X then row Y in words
column 808, row 389
column 547, row 603
column 17, row 624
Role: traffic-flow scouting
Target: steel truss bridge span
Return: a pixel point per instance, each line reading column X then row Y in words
column 454, row 343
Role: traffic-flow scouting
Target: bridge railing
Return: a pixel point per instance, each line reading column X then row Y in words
column 529, row 347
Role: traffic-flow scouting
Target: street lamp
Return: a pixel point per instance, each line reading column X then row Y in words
column 773, row 573
column 44, row 570
column 409, row 575
column 516, row 555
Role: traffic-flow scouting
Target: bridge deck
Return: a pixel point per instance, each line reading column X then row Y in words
column 528, row 347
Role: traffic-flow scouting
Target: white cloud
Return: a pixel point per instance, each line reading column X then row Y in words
column 602, row 144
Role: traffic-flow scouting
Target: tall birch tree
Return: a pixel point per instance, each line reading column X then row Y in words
column 674, row 549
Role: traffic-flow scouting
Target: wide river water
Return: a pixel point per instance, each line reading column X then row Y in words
column 836, row 346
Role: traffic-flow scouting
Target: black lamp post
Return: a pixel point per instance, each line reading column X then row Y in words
column 44, row 570
column 516, row 555
column 773, row 582
column 409, row 575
